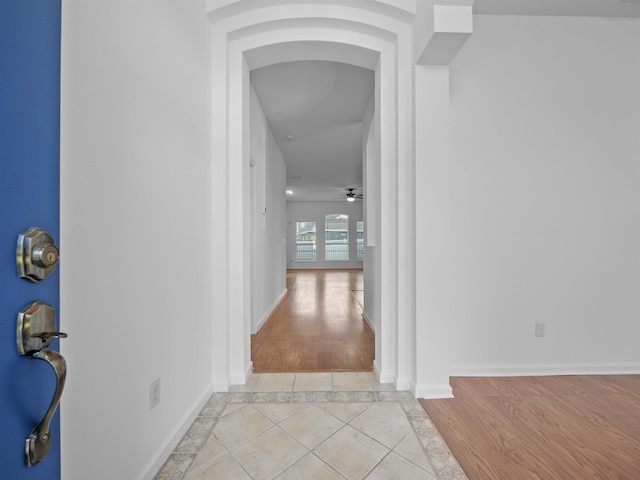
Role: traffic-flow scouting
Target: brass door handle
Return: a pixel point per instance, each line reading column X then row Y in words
column 38, row 442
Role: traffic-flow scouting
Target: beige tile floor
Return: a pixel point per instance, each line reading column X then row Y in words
column 308, row 426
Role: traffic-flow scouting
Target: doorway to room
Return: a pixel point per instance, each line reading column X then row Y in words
column 309, row 124
column 240, row 44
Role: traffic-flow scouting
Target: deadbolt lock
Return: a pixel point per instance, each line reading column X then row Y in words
column 36, row 254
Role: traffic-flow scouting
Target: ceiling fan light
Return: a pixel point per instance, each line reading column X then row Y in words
column 351, row 199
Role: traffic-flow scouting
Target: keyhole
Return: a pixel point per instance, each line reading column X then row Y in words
column 45, row 256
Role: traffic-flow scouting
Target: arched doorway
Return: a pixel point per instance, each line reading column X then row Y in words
column 245, row 37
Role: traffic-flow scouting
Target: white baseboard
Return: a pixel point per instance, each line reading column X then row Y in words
column 269, row 311
column 221, row 385
column 539, row 370
column 384, row 377
column 150, row 470
column 403, row 385
column 241, row 378
column 366, row 319
column 376, row 369
column 433, row 391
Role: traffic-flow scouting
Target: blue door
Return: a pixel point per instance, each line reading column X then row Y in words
column 29, row 197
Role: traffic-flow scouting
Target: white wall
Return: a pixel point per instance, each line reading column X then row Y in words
column 545, row 196
column 135, row 223
column 269, row 230
column 316, row 212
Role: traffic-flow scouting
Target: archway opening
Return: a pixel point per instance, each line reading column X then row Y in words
column 237, row 49
column 311, row 117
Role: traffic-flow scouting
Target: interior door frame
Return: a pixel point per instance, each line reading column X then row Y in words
column 237, row 48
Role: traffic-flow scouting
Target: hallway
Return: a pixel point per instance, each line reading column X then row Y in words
column 324, row 426
column 317, row 326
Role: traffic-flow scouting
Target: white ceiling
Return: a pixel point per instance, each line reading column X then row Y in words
column 315, row 108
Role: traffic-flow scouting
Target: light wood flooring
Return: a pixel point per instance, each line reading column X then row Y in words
column 547, row 428
column 317, row 326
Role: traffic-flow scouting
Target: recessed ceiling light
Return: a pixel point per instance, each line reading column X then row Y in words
column 289, row 192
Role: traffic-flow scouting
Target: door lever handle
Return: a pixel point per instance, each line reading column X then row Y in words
column 35, row 331
column 38, row 442
column 45, row 335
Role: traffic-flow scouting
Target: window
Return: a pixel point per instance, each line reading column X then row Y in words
column 305, row 241
column 360, row 240
column 336, row 237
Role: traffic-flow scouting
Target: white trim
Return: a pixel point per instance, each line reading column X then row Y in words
column 433, row 391
column 403, row 384
column 270, row 310
column 221, row 385
column 150, row 470
column 384, row 377
column 236, row 147
column 242, row 378
column 373, row 327
column 267, row 34
column 533, row 370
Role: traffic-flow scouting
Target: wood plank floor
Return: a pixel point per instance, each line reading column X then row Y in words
column 547, row 428
column 317, row 326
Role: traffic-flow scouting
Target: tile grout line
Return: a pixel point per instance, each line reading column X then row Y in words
column 311, row 450
column 275, row 425
column 206, row 464
column 389, row 449
column 408, row 459
column 308, row 450
column 377, row 464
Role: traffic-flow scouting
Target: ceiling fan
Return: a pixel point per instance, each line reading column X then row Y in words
column 351, row 195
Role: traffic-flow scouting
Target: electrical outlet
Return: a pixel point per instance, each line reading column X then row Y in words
column 154, row 393
column 539, row 329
